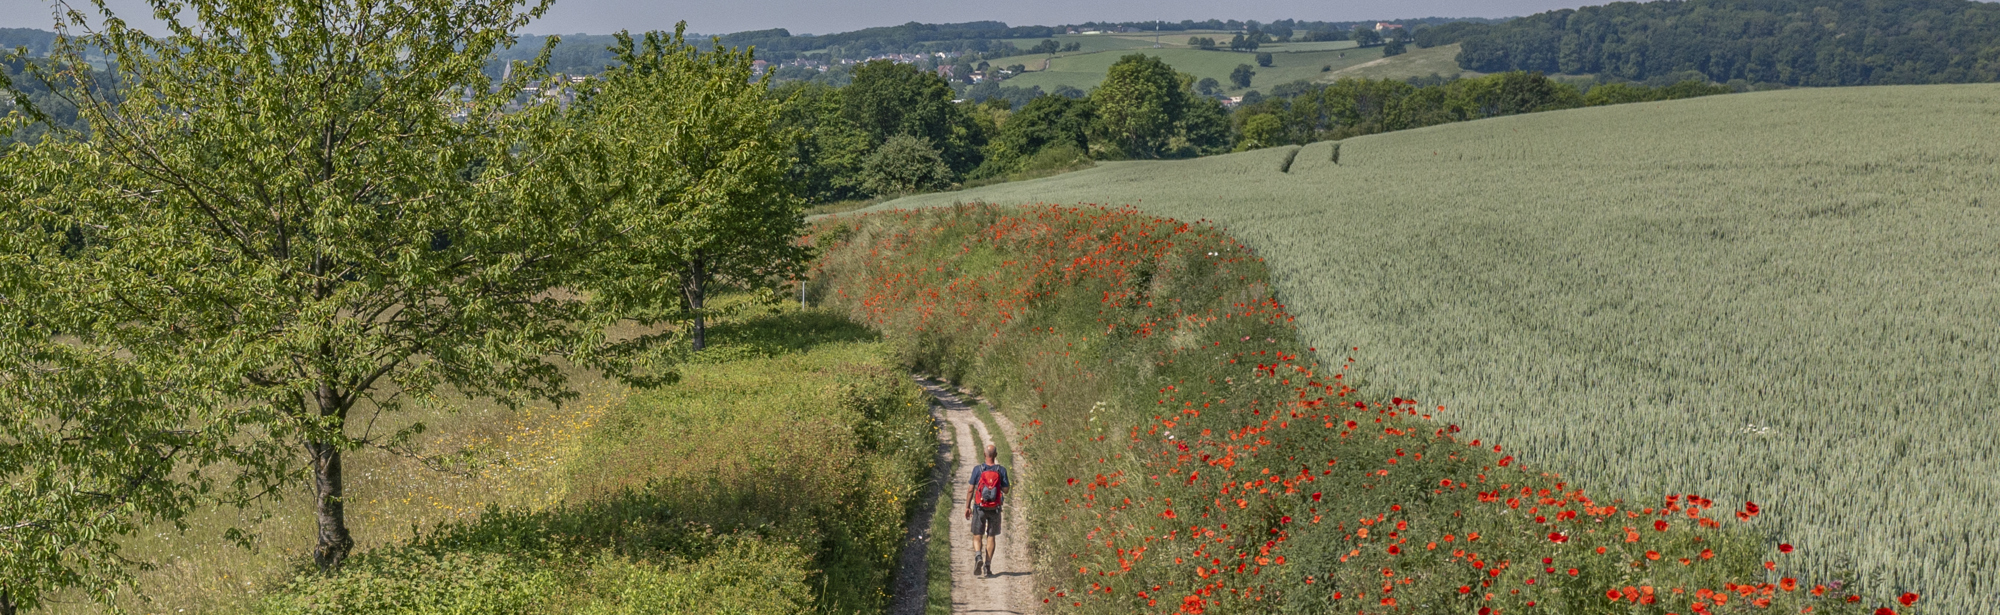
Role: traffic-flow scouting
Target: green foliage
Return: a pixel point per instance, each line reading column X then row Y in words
column 683, row 145
column 1394, row 47
column 1264, row 60
column 1240, row 78
column 889, row 99
column 475, row 569
column 938, row 556
column 826, row 159
column 1351, row 107
column 904, row 165
column 1722, row 344
column 1045, row 123
column 1260, row 130
column 1366, row 37
column 774, row 478
column 1146, row 110
column 1621, row 93
column 417, row 582
column 1793, row 42
column 226, row 314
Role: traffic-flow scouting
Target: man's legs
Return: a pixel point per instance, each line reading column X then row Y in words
column 991, row 543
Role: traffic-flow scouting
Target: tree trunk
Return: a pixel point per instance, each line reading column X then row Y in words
column 329, row 497
column 6, row 603
column 693, row 281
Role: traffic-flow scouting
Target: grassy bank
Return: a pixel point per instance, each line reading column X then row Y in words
column 773, row 478
column 1193, row 456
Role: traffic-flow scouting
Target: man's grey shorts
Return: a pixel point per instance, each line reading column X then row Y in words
column 985, row 521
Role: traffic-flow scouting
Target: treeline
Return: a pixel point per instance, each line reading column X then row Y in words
column 1286, row 29
column 1301, row 112
column 1791, row 42
column 895, row 129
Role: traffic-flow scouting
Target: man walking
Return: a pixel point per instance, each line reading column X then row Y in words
column 982, row 506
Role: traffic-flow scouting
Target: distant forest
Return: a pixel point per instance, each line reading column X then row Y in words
column 1790, row 42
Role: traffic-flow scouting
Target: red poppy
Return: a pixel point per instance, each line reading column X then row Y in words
column 1908, row 598
column 1659, row 526
column 1784, row 547
column 1885, row 611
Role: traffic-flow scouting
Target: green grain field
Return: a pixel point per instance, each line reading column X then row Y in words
column 1084, row 70
column 1786, row 297
column 1441, row 60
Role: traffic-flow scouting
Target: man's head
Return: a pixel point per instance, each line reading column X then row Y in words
column 992, row 453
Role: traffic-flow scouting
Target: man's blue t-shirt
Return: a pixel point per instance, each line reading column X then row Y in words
column 981, row 468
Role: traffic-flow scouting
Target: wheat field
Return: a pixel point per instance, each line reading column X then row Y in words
column 1786, row 297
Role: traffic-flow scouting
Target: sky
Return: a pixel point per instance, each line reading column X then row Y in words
column 829, row 16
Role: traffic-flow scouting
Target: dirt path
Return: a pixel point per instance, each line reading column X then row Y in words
column 1011, row 588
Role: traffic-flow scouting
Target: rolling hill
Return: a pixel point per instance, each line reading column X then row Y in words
column 1290, row 61
column 1783, row 297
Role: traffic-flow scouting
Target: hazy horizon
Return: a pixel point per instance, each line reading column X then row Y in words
column 820, row 17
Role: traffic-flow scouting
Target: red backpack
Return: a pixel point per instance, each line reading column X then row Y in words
column 989, row 487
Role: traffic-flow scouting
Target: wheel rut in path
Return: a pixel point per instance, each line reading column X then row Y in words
column 1011, row 588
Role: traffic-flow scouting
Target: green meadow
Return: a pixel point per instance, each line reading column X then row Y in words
column 1783, row 297
column 1441, row 60
column 1084, row 70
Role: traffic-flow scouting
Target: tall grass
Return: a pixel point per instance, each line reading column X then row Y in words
column 1783, row 297
column 774, row 478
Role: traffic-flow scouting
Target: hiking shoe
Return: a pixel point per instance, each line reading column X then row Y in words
column 978, row 561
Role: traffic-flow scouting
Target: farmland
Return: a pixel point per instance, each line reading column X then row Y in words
column 1441, row 60
column 1084, row 70
column 1782, row 297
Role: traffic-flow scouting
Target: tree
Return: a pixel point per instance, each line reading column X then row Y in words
column 1146, row 110
column 694, row 157
column 1137, row 105
column 1264, row 59
column 1392, row 48
column 1047, row 121
column 888, row 99
column 1208, row 86
column 1259, row 131
column 1046, row 47
column 904, row 165
column 1241, row 76
column 1365, row 37
column 300, row 218
column 827, row 157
